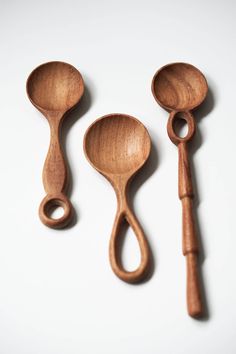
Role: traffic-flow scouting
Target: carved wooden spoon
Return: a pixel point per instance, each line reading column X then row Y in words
column 179, row 88
column 117, row 146
column 55, row 88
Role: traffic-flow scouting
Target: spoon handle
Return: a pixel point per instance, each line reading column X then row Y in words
column 190, row 242
column 55, row 177
column 122, row 215
column 186, row 195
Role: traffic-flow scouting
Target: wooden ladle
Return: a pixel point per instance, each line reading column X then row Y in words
column 55, row 88
column 179, row 88
column 117, row 146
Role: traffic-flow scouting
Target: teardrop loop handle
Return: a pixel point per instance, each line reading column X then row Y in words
column 188, row 117
column 56, row 200
column 115, row 258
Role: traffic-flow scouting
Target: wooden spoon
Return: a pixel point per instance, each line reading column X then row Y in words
column 55, row 88
column 179, row 88
column 117, row 146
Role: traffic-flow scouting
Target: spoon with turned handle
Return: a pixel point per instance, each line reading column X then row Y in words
column 55, row 88
column 117, row 146
column 179, row 88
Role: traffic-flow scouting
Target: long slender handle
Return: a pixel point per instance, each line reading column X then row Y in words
column 190, row 244
column 55, row 181
column 115, row 259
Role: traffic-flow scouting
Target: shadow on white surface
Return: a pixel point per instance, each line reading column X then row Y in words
column 139, row 179
column 202, row 112
column 77, row 113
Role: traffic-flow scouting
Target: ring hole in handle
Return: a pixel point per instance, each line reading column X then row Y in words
column 142, row 270
column 51, row 206
column 128, row 251
column 55, row 209
column 181, row 126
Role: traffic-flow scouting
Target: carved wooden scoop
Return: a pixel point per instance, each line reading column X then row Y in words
column 179, row 88
column 117, row 146
column 54, row 89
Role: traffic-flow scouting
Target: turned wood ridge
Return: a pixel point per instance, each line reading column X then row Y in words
column 180, row 88
column 117, row 146
column 55, row 88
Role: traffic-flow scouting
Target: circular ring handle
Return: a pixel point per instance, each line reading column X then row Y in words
column 51, row 201
column 188, row 117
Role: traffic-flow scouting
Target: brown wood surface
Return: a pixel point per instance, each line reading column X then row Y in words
column 180, row 88
column 55, row 88
column 117, row 146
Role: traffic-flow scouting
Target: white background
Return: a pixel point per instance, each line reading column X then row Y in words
column 57, row 292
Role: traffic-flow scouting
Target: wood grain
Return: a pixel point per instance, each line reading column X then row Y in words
column 180, row 88
column 117, row 146
column 55, row 88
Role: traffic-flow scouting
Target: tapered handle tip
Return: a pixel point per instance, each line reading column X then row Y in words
column 194, row 298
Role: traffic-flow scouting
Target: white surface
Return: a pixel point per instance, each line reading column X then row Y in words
column 57, row 292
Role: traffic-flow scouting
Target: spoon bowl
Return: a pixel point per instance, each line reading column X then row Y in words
column 179, row 87
column 55, row 86
column 118, row 145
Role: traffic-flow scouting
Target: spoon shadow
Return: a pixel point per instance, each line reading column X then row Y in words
column 203, row 110
column 70, row 119
column 139, row 179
